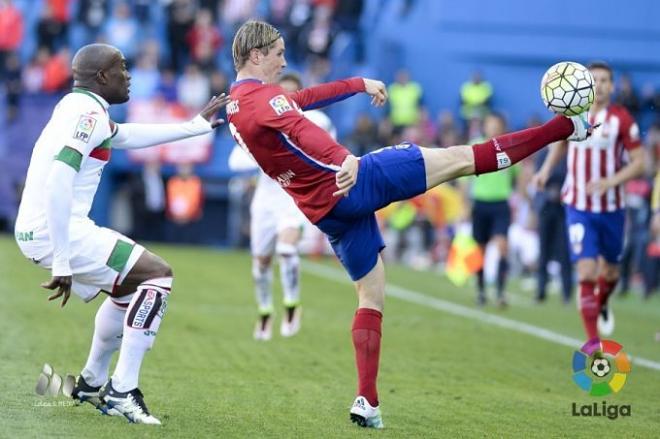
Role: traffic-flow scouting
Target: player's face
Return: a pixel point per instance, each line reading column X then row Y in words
column 604, row 87
column 289, row 85
column 274, row 63
column 118, row 80
column 493, row 126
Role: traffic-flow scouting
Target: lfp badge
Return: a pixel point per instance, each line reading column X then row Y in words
column 600, row 367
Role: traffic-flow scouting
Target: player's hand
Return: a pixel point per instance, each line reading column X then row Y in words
column 347, row 175
column 539, row 180
column 377, row 91
column 598, row 187
column 209, row 111
column 63, row 285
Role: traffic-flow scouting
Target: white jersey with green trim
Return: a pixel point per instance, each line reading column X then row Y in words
column 78, row 134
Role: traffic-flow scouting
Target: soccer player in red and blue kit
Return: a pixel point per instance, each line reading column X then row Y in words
column 339, row 192
column 594, row 198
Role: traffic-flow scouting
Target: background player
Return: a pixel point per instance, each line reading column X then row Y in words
column 594, row 198
column 491, row 214
column 54, row 231
column 276, row 226
column 340, row 192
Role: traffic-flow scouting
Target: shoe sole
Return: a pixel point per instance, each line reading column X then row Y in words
column 359, row 420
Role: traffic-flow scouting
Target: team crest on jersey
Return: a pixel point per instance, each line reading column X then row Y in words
column 280, row 104
column 84, row 128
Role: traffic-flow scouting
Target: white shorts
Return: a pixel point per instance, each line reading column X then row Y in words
column 267, row 221
column 100, row 258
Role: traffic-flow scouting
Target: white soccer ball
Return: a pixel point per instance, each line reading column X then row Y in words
column 600, row 367
column 568, row 88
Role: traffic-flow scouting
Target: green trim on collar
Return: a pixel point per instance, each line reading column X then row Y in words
column 90, row 94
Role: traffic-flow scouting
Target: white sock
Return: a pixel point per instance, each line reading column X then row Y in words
column 263, row 282
column 289, row 273
column 141, row 324
column 108, row 328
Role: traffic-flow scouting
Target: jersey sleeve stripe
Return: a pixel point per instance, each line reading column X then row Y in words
column 70, row 156
column 309, row 159
column 326, row 102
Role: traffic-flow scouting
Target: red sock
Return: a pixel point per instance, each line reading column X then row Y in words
column 507, row 149
column 589, row 308
column 605, row 289
column 366, row 341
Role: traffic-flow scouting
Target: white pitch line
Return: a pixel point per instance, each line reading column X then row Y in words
column 418, row 298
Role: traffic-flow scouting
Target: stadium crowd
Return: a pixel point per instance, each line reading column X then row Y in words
column 178, row 53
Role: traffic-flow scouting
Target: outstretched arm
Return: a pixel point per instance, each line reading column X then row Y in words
column 335, row 91
column 139, row 135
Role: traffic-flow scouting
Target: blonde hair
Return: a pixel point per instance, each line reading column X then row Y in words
column 253, row 35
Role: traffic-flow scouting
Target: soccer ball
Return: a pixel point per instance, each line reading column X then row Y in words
column 568, row 88
column 600, row 367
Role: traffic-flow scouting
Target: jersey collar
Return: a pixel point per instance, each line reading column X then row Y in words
column 246, row 81
column 102, row 102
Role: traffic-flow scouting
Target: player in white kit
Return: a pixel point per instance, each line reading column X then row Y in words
column 276, row 226
column 54, row 231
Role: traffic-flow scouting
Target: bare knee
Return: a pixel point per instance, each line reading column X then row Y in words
column 149, row 266
column 587, row 270
column 444, row 164
column 262, row 262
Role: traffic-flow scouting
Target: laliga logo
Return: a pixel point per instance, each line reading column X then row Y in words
column 600, row 368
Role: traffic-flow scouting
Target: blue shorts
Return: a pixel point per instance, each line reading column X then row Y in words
column 595, row 234
column 389, row 174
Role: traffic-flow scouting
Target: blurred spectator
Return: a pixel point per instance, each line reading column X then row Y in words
column 638, row 217
column 406, row 100
column 145, row 77
column 364, row 137
column 92, row 14
column 204, row 40
column 121, row 31
column 476, row 95
column 347, row 16
column 148, row 203
column 51, row 30
column 319, row 33
column 627, row 96
column 448, row 133
column 553, row 236
column 652, row 272
column 57, row 72
column 11, row 36
column 13, row 84
column 316, row 71
column 293, row 18
column 193, row 88
column 219, row 84
column 236, row 12
column 167, row 87
column 33, row 73
column 180, row 19
column 142, row 9
column 185, row 202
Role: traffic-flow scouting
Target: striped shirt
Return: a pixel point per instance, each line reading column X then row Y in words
column 600, row 157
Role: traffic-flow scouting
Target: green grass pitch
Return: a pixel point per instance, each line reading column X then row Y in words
column 442, row 374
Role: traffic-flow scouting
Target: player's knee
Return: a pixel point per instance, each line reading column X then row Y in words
column 261, row 262
column 163, row 269
column 285, row 249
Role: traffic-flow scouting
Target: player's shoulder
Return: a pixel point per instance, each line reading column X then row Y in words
column 621, row 112
column 83, row 103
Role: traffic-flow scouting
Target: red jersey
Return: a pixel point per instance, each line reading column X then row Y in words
column 600, row 157
column 269, row 124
